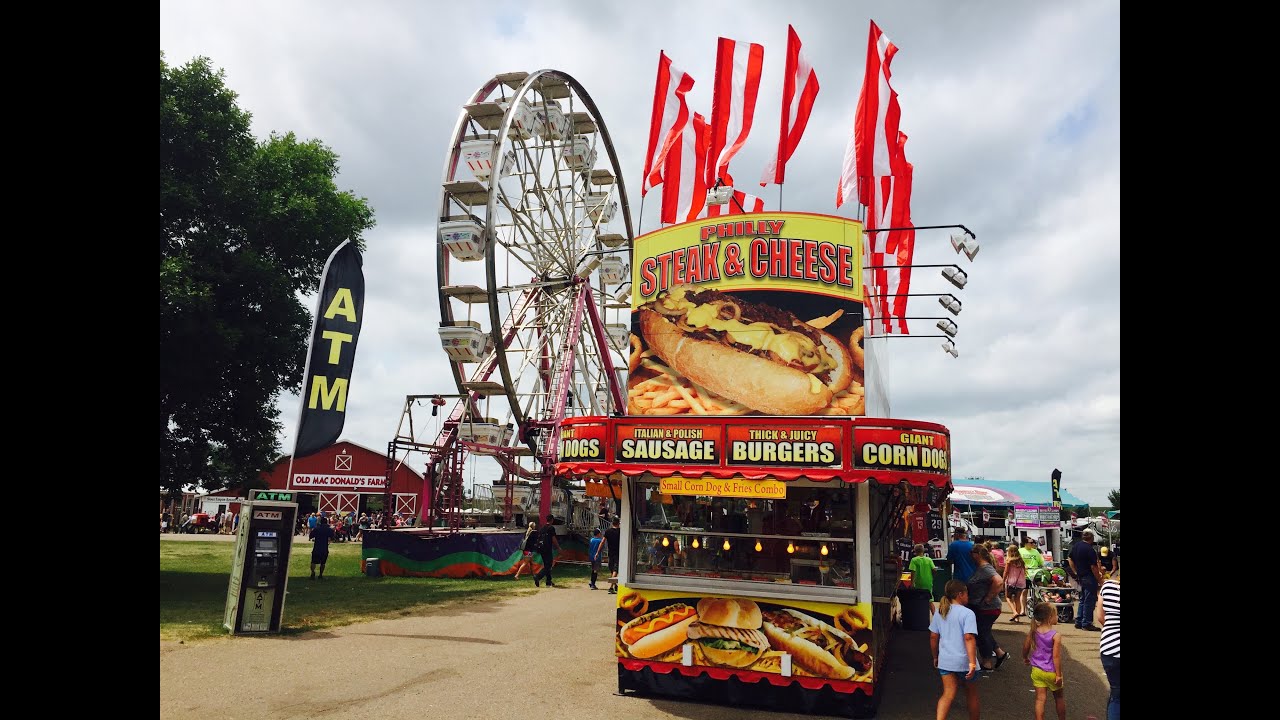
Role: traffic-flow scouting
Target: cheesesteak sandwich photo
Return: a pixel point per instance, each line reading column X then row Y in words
column 814, row 645
column 760, row 356
column 728, row 631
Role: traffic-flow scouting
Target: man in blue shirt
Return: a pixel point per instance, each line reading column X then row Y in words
column 1083, row 561
column 959, row 558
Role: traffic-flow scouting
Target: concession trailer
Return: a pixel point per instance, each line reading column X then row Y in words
column 759, row 556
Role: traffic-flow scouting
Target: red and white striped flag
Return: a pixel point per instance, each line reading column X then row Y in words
column 796, row 107
column 684, row 192
column 870, row 150
column 741, row 203
column 888, row 254
column 733, row 104
column 670, row 117
column 900, row 247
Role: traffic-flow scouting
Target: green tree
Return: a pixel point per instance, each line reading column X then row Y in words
column 245, row 228
column 1113, row 497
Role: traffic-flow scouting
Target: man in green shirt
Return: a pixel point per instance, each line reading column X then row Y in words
column 921, row 568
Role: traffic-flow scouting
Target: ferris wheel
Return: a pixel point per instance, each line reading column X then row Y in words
column 534, row 230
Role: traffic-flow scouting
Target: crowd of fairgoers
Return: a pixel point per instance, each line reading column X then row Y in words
column 221, row 523
column 346, row 525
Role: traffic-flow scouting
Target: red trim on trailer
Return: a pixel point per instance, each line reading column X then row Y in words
column 855, row 449
column 751, row 676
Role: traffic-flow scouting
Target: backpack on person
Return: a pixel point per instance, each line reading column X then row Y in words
column 533, row 543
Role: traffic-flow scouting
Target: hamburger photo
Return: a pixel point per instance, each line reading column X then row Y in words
column 728, row 631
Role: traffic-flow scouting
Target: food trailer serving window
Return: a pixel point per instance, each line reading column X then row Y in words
column 797, row 533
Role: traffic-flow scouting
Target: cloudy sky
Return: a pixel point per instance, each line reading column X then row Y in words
column 1013, row 114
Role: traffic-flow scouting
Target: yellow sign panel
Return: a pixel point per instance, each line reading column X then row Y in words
column 734, row 487
column 796, row 252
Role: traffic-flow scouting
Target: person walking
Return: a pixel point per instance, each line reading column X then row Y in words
column 1015, row 583
column 921, row 568
column 1107, row 615
column 1042, row 650
column 953, row 635
column 547, row 544
column 997, row 556
column 613, row 539
column 1083, row 561
column 320, row 536
column 1031, row 556
column 594, row 551
column 960, row 556
column 984, row 601
column 528, row 547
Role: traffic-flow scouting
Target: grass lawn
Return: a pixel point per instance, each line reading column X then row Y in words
column 194, row 577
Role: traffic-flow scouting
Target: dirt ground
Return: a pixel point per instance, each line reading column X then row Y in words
column 545, row 653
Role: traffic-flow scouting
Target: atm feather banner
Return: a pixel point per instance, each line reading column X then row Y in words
column 331, row 353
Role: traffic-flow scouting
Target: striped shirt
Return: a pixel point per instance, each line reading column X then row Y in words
column 1109, row 596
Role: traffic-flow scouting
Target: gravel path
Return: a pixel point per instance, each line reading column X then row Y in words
column 540, row 654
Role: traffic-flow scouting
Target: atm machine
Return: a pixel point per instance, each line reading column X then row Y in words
column 260, row 568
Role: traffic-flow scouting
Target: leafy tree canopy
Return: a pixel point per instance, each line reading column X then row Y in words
column 245, row 228
column 1113, row 497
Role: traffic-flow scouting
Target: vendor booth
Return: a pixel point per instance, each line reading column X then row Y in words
column 1009, row 510
column 759, row 555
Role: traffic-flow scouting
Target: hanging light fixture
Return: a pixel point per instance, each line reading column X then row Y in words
column 956, row 276
column 790, row 548
column 950, row 303
column 666, row 542
column 759, row 547
column 726, row 543
column 824, row 549
column 695, row 543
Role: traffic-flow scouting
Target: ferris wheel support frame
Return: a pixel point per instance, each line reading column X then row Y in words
column 529, row 426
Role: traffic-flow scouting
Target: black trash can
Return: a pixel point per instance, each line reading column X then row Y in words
column 373, row 567
column 915, row 608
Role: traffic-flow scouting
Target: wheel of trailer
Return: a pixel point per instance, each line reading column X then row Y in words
column 534, row 241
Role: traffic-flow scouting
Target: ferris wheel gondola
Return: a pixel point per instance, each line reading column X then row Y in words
column 533, row 233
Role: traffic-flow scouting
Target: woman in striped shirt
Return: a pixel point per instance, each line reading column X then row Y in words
column 1107, row 616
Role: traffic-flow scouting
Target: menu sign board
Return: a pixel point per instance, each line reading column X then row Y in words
column 734, row 487
column 761, row 314
column 685, row 444
column 806, row 446
column 582, row 442
column 905, row 451
column 1035, row 516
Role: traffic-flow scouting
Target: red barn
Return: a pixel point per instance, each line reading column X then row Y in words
column 346, row 477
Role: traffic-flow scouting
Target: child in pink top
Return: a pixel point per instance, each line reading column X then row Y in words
column 1042, row 650
column 1015, row 583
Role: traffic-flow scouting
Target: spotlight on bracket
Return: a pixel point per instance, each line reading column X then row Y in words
column 965, row 243
column 948, row 327
column 719, row 195
column 955, row 276
column 950, row 303
column 950, row 348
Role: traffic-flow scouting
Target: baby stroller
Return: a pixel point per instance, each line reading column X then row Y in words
column 1051, row 585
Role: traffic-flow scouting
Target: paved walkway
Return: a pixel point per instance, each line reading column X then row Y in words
column 542, row 654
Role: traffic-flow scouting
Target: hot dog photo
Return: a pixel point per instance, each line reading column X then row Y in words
column 744, row 634
column 698, row 350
